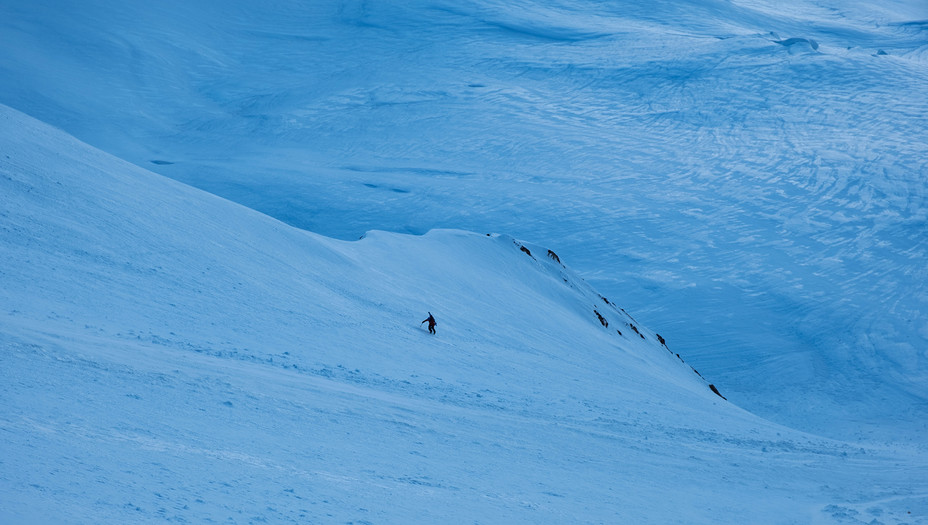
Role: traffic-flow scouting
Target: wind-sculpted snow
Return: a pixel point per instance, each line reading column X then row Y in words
column 172, row 356
column 747, row 177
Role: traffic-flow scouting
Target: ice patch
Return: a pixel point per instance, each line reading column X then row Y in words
column 798, row 45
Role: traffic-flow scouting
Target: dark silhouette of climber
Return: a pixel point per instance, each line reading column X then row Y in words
column 432, row 323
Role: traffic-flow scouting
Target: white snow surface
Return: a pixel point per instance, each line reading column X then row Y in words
column 171, row 356
column 748, row 178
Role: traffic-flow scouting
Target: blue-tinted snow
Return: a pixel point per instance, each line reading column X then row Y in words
column 172, row 356
column 748, row 179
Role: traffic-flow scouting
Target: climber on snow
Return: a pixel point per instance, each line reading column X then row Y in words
column 432, row 323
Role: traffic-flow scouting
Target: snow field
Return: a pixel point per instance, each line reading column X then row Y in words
column 749, row 176
column 202, row 362
column 746, row 178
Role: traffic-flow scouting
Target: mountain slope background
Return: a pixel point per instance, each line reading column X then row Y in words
column 172, row 356
column 749, row 177
column 746, row 178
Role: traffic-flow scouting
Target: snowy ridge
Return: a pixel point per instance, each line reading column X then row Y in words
column 195, row 260
column 171, row 356
column 604, row 310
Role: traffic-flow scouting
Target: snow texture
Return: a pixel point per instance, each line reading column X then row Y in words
column 747, row 178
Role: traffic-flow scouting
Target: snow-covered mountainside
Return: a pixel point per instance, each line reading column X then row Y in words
column 746, row 177
column 749, row 177
column 171, row 356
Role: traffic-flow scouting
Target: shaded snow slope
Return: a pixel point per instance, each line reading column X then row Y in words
column 83, row 243
column 749, row 176
column 171, row 356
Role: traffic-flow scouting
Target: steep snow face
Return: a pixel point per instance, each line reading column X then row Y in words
column 192, row 262
column 172, row 356
column 746, row 176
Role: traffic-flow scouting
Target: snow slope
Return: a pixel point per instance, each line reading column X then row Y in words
column 171, row 356
column 747, row 176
